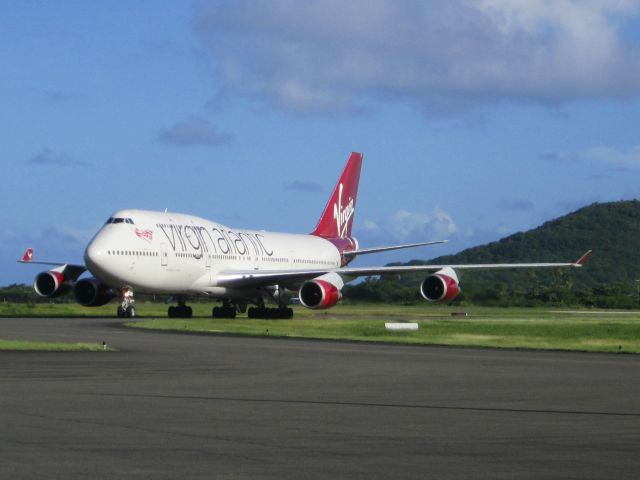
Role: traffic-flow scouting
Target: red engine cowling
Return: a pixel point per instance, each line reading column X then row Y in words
column 89, row 292
column 51, row 284
column 441, row 286
column 319, row 294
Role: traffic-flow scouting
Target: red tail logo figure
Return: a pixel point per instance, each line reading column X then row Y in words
column 337, row 217
column 342, row 215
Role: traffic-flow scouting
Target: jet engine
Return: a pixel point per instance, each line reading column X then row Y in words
column 322, row 292
column 51, row 284
column 89, row 292
column 442, row 286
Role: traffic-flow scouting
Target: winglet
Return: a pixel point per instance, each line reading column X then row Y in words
column 28, row 255
column 583, row 259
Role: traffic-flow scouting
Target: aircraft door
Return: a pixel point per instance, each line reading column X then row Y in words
column 207, row 260
column 164, row 255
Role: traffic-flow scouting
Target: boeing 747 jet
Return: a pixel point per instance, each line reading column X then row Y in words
column 184, row 256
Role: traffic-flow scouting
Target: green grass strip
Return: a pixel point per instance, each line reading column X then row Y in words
column 547, row 331
column 532, row 328
column 22, row 345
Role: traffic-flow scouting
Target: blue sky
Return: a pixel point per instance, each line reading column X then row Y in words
column 477, row 119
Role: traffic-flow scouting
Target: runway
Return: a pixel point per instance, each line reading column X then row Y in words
column 194, row 406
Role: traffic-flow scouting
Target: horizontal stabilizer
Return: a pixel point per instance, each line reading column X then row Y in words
column 363, row 251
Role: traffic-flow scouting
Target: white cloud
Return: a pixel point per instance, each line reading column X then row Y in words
column 194, row 131
column 47, row 156
column 626, row 159
column 515, row 205
column 615, row 157
column 334, row 56
column 370, row 226
column 406, row 226
column 563, row 157
column 303, row 186
column 54, row 96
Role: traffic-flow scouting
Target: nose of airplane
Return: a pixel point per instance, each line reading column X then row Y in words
column 95, row 255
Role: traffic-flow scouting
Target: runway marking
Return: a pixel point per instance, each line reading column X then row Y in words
column 368, row 404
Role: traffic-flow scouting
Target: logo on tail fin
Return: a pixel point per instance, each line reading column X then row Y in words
column 338, row 213
column 28, row 255
column 341, row 214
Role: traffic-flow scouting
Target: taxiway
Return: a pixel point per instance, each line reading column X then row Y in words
column 197, row 406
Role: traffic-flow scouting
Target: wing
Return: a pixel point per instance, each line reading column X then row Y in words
column 258, row 278
column 71, row 270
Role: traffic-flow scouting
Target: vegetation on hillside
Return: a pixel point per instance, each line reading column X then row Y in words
column 610, row 278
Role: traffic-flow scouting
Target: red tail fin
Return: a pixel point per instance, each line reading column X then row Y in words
column 337, row 217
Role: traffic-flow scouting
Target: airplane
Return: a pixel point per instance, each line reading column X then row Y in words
column 184, row 256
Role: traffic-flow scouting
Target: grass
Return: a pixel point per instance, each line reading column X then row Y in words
column 485, row 327
column 531, row 328
column 22, row 345
column 66, row 310
column 52, row 310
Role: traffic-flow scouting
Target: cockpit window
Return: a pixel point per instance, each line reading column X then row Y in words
column 120, row 220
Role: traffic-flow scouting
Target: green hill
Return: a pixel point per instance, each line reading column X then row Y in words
column 611, row 230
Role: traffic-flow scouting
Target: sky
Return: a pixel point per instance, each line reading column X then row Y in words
column 477, row 119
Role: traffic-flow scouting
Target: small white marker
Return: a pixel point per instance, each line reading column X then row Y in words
column 401, row 326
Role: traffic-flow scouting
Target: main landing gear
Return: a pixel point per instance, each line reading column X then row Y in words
column 281, row 312
column 126, row 308
column 230, row 309
column 227, row 310
column 181, row 310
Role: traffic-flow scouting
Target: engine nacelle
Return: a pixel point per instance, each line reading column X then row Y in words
column 441, row 286
column 89, row 292
column 51, row 284
column 319, row 294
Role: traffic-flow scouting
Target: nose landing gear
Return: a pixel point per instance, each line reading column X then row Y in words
column 126, row 308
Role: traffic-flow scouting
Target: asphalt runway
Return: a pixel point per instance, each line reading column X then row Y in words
column 195, row 406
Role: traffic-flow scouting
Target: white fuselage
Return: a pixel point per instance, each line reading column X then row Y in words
column 181, row 254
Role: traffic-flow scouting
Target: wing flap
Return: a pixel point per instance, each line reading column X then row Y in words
column 260, row 278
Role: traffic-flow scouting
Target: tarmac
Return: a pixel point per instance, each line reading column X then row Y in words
column 169, row 405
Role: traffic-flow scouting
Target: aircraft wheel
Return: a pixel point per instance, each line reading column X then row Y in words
column 171, row 312
column 121, row 312
column 130, row 312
